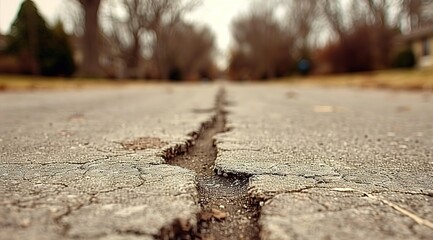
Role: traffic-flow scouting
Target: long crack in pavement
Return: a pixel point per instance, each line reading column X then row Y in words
column 349, row 174
column 227, row 210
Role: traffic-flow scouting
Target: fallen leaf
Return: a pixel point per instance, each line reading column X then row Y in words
column 219, row 215
column 291, row 94
column 213, row 213
column 403, row 109
column 206, row 216
column 79, row 117
column 328, row 109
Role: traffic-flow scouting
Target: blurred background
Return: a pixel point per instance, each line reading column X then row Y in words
column 193, row 40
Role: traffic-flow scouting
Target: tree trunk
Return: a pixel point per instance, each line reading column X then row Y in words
column 90, row 42
column 133, row 62
column 160, row 55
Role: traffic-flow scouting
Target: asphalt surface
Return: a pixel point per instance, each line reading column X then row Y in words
column 322, row 163
column 333, row 163
column 64, row 173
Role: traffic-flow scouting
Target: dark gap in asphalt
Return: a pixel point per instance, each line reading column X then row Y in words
column 227, row 210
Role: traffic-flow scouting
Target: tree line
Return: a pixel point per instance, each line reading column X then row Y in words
column 155, row 32
column 152, row 39
column 325, row 36
column 117, row 38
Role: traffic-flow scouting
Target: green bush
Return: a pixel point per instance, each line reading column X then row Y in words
column 58, row 58
column 42, row 50
column 404, row 59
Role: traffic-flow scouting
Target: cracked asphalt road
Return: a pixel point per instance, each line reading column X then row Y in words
column 333, row 163
column 64, row 173
column 322, row 163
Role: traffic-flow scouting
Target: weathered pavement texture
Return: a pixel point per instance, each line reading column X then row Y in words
column 333, row 163
column 63, row 173
column 321, row 163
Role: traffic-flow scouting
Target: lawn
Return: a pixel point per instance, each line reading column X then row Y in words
column 399, row 80
column 395, row 79
column 22, row 83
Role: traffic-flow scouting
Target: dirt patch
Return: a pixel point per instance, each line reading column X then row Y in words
column 78, row 117
column 143, row 143
column 291, row 94
column 227, row 212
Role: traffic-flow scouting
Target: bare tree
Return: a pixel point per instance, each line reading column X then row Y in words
column 417, row 12
column 333, row 13
column 262, row 46
column 90, row 41
column 143, row 18
column 301, row 22
column 363, row 29
column 187, row 51
column 379, row 11
column 73, row 17
column 341, row 18
column 165, row 24
column 413, row 9
column 381, row 30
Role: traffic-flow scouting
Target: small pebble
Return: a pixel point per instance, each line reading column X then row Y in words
column 24, row 222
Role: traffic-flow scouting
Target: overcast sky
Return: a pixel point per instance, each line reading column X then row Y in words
column 217, row 14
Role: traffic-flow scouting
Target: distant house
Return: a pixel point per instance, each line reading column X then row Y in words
column 421, row 42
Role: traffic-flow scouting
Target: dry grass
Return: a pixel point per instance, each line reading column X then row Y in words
column 25, row 83
column 398, row 80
